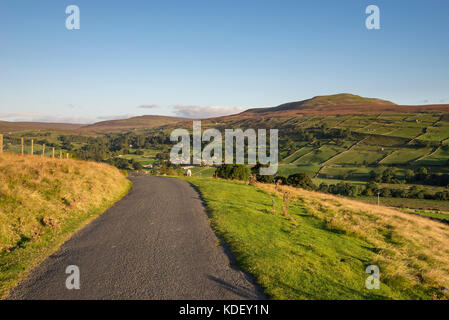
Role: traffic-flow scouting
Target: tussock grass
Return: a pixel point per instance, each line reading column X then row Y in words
column 411, row 251
column 324, row 252
column 42, row 202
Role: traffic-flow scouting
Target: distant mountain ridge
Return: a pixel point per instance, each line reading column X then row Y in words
column 147, row 121
column 336, row 104
column 8, row 126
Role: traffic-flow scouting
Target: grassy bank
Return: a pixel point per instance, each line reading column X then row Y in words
column 43, row 202
column 324, row 252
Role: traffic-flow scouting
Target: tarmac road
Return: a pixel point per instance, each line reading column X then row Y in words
column 155, row 243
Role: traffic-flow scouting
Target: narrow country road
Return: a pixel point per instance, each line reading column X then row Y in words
column 155, row 243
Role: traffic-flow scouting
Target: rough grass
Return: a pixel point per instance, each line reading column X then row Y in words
column 42, row 202
column 323, row 255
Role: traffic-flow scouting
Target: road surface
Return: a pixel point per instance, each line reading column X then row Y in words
column 155, row 243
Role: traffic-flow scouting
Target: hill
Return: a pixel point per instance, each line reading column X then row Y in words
column 42, row 202
column 321, row 248
column 147, row 121
column 337, row 104
column 327, row 102
column 330, row 105
column 121, row 125
column 7, row 126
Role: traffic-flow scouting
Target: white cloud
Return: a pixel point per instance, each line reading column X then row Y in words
column 9, row 115
column 61, row 119
column 148, row 106
column 72, row 106
column 39, row 117
column 205, row 112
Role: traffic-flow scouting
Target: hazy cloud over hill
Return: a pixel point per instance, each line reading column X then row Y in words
column 14, row 115
column 205, row 112
column 117, row 117
column 148, row 106
column 39, row 117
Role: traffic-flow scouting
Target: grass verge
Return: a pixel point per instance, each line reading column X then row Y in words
column 43, row 202
column 325, row 253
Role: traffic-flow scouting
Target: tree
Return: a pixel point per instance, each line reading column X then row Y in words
column 374, row 176
column 409, row 175
column 136, row 165
column 421, row 174
column 233, row 172
column 301, row 180
column 261, row 178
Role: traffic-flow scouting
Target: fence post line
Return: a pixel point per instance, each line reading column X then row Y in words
column 53, row 153
column 21, row 145
column 43, row 150
column 1, row 143
column 32, row 147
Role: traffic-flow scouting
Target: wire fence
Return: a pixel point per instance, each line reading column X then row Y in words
column 30, row 148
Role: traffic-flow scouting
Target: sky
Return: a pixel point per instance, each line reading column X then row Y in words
column 206, row 58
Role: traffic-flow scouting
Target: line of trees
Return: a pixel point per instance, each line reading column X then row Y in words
column 242, row 172
column 302, row 180
column 373, row 189
column 418, row 176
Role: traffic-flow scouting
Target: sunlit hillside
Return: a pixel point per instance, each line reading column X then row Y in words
column 42, row 201
column 320, row 246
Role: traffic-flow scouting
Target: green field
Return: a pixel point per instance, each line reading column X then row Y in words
column 439, row 158
column 288, row 169
column 147, row 158
column 406, row 155
column 406, row 132
column 404, row 203
column 435, row 134
column 297, row 154
column 360, row 155
column 320, row 155
column 203, row 171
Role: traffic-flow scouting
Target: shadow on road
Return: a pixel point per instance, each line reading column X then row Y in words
column 240, row 291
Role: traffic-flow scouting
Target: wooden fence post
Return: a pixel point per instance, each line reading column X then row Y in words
column 21, row 145
column 67, row 155
column 43, row 150
column 60, row 154
column 1, row 143
column 53, row 153
column 32, row 147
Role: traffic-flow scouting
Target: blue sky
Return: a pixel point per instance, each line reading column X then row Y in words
column 194, row 58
